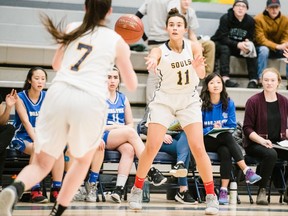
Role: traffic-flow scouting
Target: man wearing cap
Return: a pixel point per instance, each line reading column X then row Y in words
column 234, row 36
column 271, row 34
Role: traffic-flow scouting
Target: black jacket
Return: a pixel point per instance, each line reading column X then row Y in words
column 231, row 30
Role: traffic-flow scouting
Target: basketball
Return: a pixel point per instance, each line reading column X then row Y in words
column 130, row 27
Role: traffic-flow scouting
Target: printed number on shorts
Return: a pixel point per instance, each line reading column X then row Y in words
column 88, row 51
column 182, row 76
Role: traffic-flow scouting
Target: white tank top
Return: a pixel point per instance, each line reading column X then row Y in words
column 88, row 59
column 177, row 75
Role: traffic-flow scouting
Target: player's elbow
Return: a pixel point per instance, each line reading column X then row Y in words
column 131, row 86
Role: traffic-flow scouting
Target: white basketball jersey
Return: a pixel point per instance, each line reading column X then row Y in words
column 88, row 59
column 177, row 75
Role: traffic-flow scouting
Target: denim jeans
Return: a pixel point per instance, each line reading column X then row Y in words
column 263, row 54
column 179, row 148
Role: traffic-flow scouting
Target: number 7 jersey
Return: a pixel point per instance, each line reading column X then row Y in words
column 88, row 59
column 175, row 70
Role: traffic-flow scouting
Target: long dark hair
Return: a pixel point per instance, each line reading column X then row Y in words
column 30, row 73
column 175, row 13
column 205, row 95
column 96, row 11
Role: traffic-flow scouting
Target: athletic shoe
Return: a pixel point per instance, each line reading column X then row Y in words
column 252, row 84
column 251, row 177
column 8, row 198
column 116, row 195
column 179, row 170
column 57, row 210
column 212, row 204
column 261, row 197
column 135, row 200
column 36, row 196
column 156, row 177
column 223, row 197
column 230, row 83
column 54, row 194
column 92, row 191
column 80, row 194
column 185, row 198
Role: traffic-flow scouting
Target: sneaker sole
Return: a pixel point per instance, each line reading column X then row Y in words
column 41, row 201
column 160, row 183
column 179, row 173
column 211, row 211
column 223, row 203
column 135, row 206
column 91, row 200
column 7, row 198
column 115, row 198
column 253, row 181
column 183, row 202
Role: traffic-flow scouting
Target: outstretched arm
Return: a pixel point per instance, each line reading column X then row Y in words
column 153, row 59
column 198, row 62
column 124, row 64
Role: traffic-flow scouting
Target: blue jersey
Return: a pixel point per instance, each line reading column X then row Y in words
column 227, row 118
column 116, row 110
column 32, row 112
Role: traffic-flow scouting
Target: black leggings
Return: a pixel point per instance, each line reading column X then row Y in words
column 226, row 147
column 6, row 134
column 268, row 158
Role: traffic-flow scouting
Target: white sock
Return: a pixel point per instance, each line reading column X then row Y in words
column 121, row 180
column 224, row 188
column 245, row 170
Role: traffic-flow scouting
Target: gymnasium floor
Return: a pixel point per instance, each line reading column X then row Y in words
column 158, row 205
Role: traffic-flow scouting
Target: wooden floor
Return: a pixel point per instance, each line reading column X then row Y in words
column 157, row 205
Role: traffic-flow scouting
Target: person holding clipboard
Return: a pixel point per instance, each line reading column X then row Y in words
column 219, row 121
column 265, row 124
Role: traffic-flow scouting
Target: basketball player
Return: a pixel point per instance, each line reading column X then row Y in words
column 75, row 105
column 27, row 110
column 180, row 64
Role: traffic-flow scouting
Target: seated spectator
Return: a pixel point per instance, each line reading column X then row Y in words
column 218, row 112
column 6, row 130
column 175, row 143
column 27, row 110
column 265, row 123
column 234, row 36
column 120, row 135
column 271, row 34
column 184, row 6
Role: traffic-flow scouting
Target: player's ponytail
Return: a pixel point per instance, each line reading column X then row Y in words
column 96, row 11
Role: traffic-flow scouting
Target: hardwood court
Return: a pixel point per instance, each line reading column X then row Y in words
column 158, row 205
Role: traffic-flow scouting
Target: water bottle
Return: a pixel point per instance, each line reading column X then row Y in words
column 233, row 193
column 146, row 192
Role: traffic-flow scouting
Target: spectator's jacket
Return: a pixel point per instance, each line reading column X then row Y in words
column 270, row 32
column 256, row 117
column 231, row 30
column 227, row 118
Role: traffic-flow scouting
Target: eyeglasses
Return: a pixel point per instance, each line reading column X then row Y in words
column 240, row 5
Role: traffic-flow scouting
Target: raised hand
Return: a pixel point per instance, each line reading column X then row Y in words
column 11, row 98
